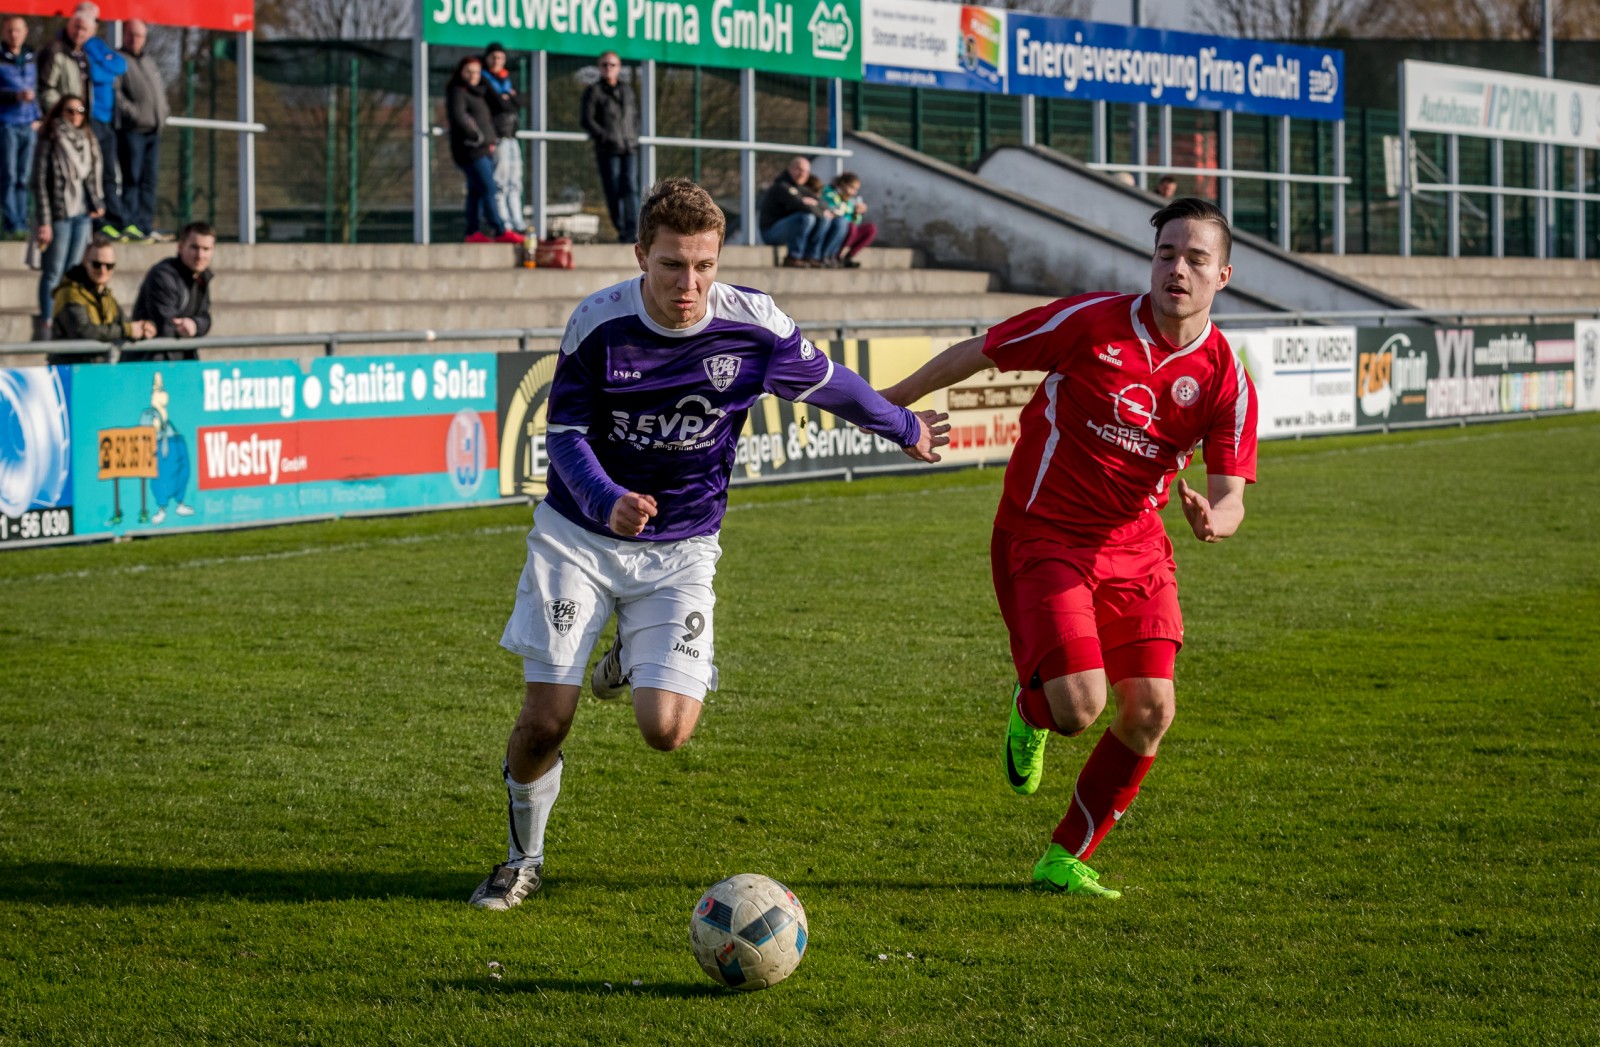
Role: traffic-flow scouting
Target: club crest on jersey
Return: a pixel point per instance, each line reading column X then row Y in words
column 1185, row 391
column 722, row 369
column 1112, row 354
column 807, row 350
column 563, row 614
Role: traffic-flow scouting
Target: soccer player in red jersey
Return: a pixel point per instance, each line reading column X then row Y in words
column 1082, row 566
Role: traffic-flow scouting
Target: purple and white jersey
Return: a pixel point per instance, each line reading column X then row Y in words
column 635, row 406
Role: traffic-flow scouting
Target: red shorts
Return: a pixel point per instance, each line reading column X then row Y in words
column 1066, row 605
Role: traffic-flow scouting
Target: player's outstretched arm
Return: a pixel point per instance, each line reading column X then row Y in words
column 1219, row 516
column 959, row 362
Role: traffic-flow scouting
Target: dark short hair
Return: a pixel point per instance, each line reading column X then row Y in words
column 847, row 178
column 98, row 241
column 196, row 229
column 492, row 48
column 682, row 206
column 1196, row 209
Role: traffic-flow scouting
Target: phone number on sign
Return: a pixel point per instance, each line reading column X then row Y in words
column 40, row 523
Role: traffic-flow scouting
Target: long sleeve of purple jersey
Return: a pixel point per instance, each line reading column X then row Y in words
column 593, row 490
column 802, row 373
column 848, row 395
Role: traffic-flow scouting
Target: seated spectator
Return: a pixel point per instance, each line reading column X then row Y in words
column 1168, row 186
column 792, row 216
column 85, row 308
column 833, row 225
column 176, row 294
column 66, row 196
column 844, row 197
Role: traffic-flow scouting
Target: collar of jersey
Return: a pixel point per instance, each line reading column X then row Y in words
column 634, row 289
column 1146, row 338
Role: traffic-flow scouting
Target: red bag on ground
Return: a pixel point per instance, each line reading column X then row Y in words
column 555, row 253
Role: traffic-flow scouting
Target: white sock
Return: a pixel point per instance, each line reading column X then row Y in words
column 527, row 815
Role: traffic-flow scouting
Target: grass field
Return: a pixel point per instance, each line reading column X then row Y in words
column 247, row 781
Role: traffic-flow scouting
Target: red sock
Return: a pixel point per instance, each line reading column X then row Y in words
column 1106, row 786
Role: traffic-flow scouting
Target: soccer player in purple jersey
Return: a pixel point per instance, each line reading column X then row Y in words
column 650, row 392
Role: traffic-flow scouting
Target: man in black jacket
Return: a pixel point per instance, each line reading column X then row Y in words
column 792, row 216
column 176, row 293
column 611, row 116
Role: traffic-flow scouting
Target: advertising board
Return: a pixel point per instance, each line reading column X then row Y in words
column 1417, row 375
column 1305, row 378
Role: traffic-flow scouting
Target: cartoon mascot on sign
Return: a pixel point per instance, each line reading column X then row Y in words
column 172, row 455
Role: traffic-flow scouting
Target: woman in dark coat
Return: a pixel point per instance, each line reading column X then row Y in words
column 472, row 142
column 66, row 196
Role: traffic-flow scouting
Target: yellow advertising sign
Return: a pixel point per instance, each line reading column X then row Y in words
column 129, row 452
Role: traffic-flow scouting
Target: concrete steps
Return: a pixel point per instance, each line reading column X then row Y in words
column 1511, row 284
column 278, row 289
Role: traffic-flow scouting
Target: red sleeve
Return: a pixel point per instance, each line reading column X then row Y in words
column 1231, row 441
column 1037, row 339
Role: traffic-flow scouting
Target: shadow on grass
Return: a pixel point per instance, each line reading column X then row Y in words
column 591, row 987
column 57, row 883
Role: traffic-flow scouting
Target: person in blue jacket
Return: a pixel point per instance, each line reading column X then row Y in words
column 19, row 122
column 77, row 62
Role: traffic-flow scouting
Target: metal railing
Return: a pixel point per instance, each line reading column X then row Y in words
column 332, row 341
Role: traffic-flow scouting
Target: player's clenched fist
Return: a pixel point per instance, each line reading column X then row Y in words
column 630, row 513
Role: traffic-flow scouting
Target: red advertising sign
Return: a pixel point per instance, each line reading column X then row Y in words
column 234, row 16
column 272, row 453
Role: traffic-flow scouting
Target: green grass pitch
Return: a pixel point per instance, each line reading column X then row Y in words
column 248, row 780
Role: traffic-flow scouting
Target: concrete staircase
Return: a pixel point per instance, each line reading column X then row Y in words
column 270, row 289
column 1514, row 285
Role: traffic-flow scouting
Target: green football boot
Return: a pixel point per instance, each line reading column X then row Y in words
column 1059, row 871
column 1024, row 752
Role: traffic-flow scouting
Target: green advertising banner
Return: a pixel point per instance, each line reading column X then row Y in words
column 805, row 38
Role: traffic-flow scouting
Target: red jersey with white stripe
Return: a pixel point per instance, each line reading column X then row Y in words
column 1118, row 415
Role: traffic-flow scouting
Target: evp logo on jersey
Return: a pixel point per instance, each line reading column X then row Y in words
column 1135, row 408
column 722, row 369
column 687, row 427
column 563, row 615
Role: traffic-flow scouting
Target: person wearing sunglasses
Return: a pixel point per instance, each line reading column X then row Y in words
column 66, row 197
column 85, row 308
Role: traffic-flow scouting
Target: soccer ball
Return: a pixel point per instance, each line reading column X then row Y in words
column 748, row 932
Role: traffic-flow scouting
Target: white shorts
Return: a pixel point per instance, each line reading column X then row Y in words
column 661, row 592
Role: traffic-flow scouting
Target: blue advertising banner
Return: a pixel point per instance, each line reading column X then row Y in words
column 199, row 444
column 1063, row 58
column 35, row 454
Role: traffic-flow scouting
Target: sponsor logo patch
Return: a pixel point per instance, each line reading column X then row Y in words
column 563, row 615
column 722, row 369
column 1112, row 354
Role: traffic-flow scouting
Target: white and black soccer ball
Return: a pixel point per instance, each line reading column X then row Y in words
column 748, row 932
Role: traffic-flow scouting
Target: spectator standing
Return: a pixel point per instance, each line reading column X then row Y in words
column 66, row 196
column 19, row 121
column 142, row 112
column 85, row 308
column 791, row 215
column 504, row 101
column 844, row 197
column 176, row 294
column 611, row 117
column 80, row 63
column 472, row 147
